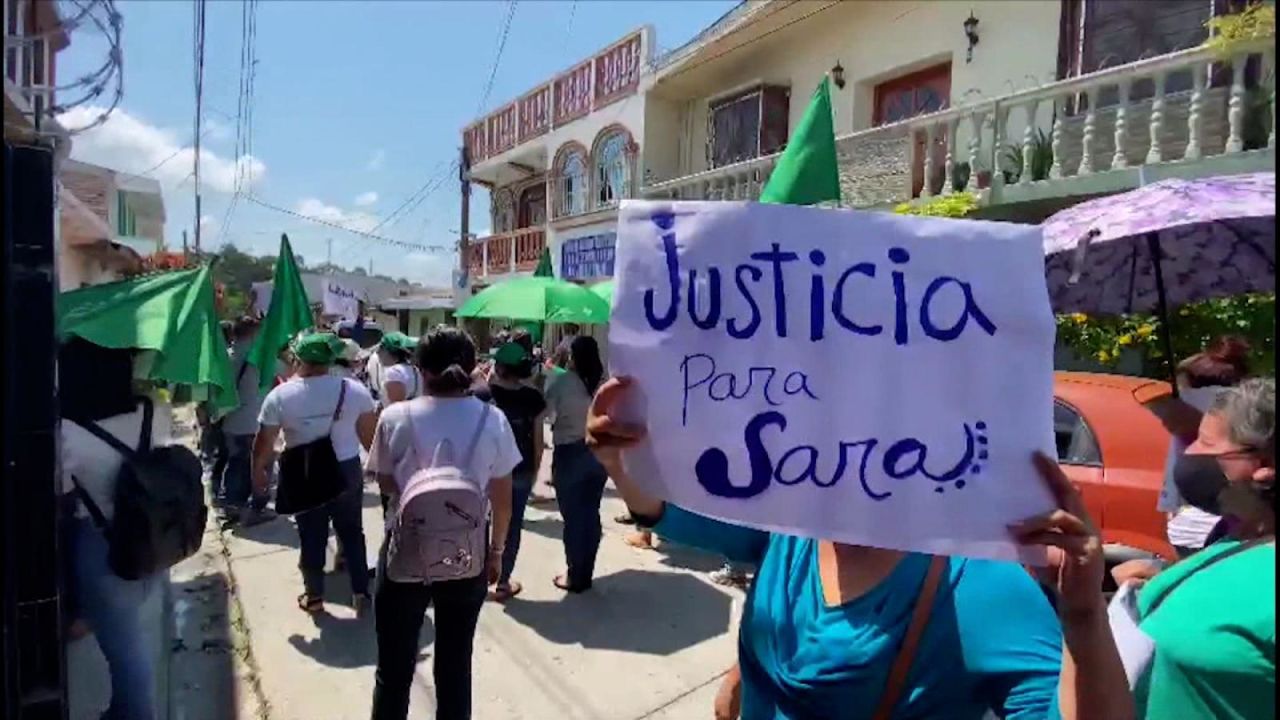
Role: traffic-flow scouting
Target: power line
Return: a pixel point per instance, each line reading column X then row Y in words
column 497, row 59
column 368, row 235
column 243, row 103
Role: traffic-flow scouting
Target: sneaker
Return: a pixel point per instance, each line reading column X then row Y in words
column 253, row 517
column 729, row 577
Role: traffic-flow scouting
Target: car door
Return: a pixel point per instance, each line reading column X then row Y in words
column 1080, row 457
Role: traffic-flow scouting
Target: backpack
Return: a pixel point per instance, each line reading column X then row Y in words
column 159, row 504
column 440, row 527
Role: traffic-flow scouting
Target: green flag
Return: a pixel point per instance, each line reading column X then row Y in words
column 289, row 314
column 806, row 173
column 544, row 265
column 171, row 317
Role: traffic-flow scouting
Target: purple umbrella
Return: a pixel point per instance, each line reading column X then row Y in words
column 1213, row 237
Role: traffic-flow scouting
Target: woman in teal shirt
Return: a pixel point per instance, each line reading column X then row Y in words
column 824, row 622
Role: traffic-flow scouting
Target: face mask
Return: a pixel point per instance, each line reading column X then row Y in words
column 1200, row 481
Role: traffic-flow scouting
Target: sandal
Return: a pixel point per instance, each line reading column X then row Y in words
column 309, row 604
column 625, row 519
column 639, row 540
column 503, row 593
column 562, row 582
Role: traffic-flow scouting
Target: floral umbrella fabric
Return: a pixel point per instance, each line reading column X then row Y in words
column 1216, row 238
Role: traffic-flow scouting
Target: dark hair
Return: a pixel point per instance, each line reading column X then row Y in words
column 586, row 361
column 227, row 328
column 244, row 327
column 448, row 356
column 522, row 337
column 94, row 382
column 1224, row 361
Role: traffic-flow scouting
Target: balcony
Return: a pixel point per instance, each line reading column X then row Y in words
column 605, row 78
column 517, row 251
column 1081, row 136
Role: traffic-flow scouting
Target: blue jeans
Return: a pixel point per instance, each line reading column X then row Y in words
column 237, row 478
column 521, row 487
column 579, row 481
column 113, row 608
column 346, row 514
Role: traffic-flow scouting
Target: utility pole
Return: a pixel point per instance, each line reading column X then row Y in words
column 370, row 267
column 200, row 23
column 328, row 258
column 184, row 246
column 464, row 237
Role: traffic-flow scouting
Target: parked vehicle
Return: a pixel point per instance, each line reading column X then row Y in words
column 1114, row 449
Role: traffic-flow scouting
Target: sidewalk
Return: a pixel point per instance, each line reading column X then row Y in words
column 650, row 640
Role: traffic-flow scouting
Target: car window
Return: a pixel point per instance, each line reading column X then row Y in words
column 1075, row 442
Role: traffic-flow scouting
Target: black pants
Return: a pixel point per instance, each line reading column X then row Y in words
column 398, row 610
column 345, row 514
column 580, row 481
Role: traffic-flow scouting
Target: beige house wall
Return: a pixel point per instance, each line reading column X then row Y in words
column 873, row 42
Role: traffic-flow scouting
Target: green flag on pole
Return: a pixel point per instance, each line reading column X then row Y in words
column 170, row 317
column 290, row 313
column 544, row 265
column 806, row 173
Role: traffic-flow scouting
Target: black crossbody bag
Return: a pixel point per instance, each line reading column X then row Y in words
column 310, row 475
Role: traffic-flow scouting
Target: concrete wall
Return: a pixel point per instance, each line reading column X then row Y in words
column 873, row 42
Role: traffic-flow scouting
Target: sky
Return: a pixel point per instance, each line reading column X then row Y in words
column 356, row 106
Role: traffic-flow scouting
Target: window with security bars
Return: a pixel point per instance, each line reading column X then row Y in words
column 749, row 125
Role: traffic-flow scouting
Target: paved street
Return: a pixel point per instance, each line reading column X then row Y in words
column 649, row 641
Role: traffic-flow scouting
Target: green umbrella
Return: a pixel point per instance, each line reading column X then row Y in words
column 537, row 298
column 605, row 291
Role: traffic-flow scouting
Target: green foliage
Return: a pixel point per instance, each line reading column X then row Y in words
column 1011, row 160
column 1255, row 22
column 1103, row 339
column 954, row 205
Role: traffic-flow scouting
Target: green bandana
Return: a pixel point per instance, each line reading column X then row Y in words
column 318, row 348
column 511, row 353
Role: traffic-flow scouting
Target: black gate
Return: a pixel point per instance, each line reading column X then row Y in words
column 34, row 658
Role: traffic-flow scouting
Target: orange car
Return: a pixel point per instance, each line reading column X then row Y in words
column 1114, row 449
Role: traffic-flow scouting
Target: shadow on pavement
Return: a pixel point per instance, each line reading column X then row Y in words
column 202, row 680
column 633, row 610
column 685, row 557
column 550, row 526
column 276, row 532
column 350, row 642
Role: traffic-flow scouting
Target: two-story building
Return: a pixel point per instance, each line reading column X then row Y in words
column 556, row 161
column 1088, row 96
column 108, row 220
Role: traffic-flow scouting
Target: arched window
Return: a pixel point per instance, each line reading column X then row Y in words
column 571, row 182
column 504, row 212
column 612, row 164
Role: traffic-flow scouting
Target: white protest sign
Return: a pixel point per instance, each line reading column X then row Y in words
column 861, row 377
column 262, row 296
column 341, row 301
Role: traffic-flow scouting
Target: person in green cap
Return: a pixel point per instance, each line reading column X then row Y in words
column 509, row 388
column 307, row 407
column 401, row 380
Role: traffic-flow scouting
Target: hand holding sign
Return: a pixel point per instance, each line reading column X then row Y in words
column 858, row 377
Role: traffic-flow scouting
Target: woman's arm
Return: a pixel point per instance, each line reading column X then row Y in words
column 539, row 440
column 500, row 500
column 1092, row 683
column 607, row 437
column 264, row 444
column 366, row 424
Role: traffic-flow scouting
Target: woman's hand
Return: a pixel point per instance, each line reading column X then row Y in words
column 1076, row 565
column 728, row 704
column 493, row 567
column 606, row 435
column 1136, row 572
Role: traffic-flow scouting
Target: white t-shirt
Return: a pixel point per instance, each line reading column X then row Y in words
column 1190, row 525
column 373, row 372
column 405, row 374
column 437, row 420
column 304, row 408
column 95, row 464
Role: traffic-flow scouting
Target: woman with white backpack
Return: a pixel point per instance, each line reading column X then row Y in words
column 400, row 380
column 445, row 461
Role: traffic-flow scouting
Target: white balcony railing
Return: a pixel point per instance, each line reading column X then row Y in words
column 28, row 58
column 505, row 253
column 1073, row 128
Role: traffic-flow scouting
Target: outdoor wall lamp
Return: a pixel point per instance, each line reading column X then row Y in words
column 837, row 75
column 971, row 32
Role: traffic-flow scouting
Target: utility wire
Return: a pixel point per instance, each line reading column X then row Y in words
column 368, row 235
column 200, row 8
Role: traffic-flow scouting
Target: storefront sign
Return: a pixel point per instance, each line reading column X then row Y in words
column 587, row 258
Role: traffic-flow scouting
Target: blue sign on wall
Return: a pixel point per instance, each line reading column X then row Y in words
column 588, row 257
